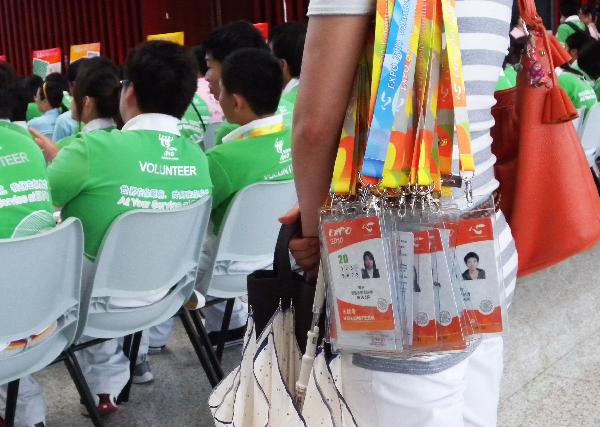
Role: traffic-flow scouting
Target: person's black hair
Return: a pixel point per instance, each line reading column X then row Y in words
column 471, row 255
column 369, row 255
column 287, row 42
column 98, row 78
column 53, row 88
column 200, row 55
column 578, row 40
column 8, row 77
column 569, row 8
column 32, row 84
column 515, row 50
column 164, row 77
column 237, row 35
column 73, row 70
column 587, row 10
column 589, row 59
column 256, row 75
column 21, row 99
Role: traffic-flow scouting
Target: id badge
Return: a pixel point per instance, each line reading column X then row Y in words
column 480, row 281
column 359, row 284
column 450, row 331
column 424, row 323
column 407, row 281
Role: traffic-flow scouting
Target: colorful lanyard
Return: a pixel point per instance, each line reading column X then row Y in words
column 392, row 75
column 260, row 130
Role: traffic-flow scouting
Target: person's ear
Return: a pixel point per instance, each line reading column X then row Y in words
column 239, row 103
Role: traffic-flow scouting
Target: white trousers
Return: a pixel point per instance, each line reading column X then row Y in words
column 161, row 334
column 465, row 395
column 31, row 406
column 105, row 366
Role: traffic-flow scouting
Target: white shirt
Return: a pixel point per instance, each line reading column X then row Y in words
column 153, row 121
column 291, row 85
column 96, row 124
column 341, row 7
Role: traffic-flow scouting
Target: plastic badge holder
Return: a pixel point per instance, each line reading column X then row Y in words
column 360, row 300
column 480, row 268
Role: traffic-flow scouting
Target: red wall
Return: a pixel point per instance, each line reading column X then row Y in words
column 27, row 25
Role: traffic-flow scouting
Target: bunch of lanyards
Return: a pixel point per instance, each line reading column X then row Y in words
column 404, row 272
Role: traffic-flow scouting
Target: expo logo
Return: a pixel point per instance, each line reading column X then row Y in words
column 477, row 229
column 340, row 231
column 368, row 227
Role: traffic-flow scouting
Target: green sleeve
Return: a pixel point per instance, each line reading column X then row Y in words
column 567, row 82
column 563, row 33
column 222, row 187
column 69, row 172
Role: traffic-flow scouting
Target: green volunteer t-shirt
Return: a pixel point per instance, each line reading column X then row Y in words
column 239, row 163
column 194, row 121
column 15, row 128
column 291, row 95
column 65, row 142
column 508, row 79
column 25, row 203
column 580, row 91
column 104, row 174
column 286, row 108
column 33, row 111
column 566, row 30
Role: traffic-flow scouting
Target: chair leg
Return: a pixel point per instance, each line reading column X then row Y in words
column 201, row 352
column 225, row 327
column 132, row 354
column 596, row 176
column 82, row 387
column 205, row 341
column 11, row 403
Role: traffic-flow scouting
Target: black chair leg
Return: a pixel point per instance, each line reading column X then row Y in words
column 82, row 387
column 12, row 395
column 225, row 327
column 132, row 353
column 200, row 351
column 205, row 341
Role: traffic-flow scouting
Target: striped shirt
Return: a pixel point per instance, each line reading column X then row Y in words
column 484, row 40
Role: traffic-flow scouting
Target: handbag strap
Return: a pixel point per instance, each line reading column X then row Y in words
column 281, row 259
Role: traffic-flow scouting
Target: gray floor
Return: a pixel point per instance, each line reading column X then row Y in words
column 551, row 370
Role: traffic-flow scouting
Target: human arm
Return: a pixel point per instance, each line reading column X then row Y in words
column 68, row 173
column 331, row 53
column 49, row 148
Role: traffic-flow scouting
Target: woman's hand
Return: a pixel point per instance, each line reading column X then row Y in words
column 48, row 147
column 304, row 249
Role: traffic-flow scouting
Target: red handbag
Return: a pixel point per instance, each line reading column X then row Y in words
column 547, row 191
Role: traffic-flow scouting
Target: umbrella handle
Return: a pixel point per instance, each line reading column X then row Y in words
column 306, row 367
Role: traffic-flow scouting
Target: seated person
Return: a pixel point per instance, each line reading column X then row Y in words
column 23, row 174
column 223, row 42
column 204, row 109
column 586, row 15
column 570, row 22
column 257, row 151
column 65, row 124
column 287, row 44
column 104, row 174
column 95, row 103
column 8, row 99
column 32, row 84
column 49, row 100
column 589, row 63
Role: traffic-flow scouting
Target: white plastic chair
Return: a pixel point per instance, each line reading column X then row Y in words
column 144, row 253
column 579, row 121
column 590, row 134
column 40, row 284
column 249, row 232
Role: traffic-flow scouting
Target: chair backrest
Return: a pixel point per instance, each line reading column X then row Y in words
column 40, row 283
column 250, row 226
column 590, row 134
column 580, row 120
column 147, row 251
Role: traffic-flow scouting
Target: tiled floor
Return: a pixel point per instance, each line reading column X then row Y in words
column 551, row 367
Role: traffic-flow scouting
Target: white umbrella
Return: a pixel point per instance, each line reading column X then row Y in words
column 261, row 391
